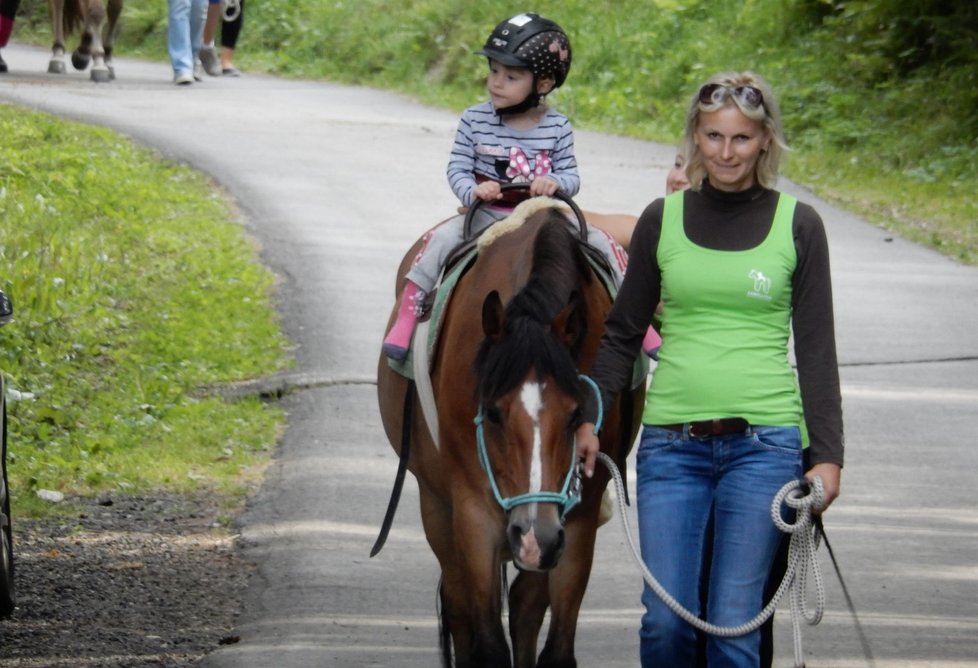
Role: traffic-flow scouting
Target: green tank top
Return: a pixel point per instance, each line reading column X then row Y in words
column 725, row 327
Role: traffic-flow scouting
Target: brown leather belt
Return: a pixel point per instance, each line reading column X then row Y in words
column 714, row 427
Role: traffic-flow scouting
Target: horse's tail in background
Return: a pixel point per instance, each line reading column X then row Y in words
column 73, row 15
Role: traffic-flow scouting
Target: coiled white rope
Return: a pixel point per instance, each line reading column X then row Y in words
column 801, row 560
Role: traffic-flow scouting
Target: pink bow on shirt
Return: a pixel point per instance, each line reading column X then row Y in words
column 520, row 166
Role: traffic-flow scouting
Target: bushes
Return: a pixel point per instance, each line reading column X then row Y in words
column 889, row 85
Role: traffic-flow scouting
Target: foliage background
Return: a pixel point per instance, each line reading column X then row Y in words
column 879, row 96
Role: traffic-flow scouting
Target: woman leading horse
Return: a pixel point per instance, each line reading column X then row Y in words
column 497, row 473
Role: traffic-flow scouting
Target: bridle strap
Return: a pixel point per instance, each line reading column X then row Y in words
column 569, row 495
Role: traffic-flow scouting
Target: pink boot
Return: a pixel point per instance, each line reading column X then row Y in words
column 651, row 343
column 398, row 340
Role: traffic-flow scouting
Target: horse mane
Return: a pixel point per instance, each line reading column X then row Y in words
column 523, row 211
column 558, row 271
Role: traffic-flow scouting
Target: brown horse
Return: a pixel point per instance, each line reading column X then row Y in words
column 96, row 42
column 499, row 482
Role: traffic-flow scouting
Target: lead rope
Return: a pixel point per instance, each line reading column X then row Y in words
column 801, row 559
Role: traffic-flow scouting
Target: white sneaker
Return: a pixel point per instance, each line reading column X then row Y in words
column 183, row 78
column 208, row 58
column 198, row 71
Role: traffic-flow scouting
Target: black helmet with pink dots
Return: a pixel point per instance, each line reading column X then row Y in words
column 531, row 41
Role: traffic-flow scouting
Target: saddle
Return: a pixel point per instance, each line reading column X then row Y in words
column 459, row 262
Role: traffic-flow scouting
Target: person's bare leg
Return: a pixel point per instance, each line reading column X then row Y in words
column 210, row 26
column 230, row 29
column 227, row 58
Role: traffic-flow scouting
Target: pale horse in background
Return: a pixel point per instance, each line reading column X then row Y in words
column 97, row 35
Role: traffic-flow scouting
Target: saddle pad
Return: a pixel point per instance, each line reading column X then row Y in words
column 444, row 291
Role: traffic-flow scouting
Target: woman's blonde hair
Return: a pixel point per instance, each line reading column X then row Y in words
column 767, row 113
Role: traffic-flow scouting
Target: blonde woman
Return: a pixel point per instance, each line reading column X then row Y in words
column 738, row 266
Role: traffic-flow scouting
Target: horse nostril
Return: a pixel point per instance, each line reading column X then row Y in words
column 552, row 555
column 516, row 531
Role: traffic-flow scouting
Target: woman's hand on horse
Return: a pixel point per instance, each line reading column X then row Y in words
column 543, row 186
column 488, row 191
column 831, row 475
column 587, row 447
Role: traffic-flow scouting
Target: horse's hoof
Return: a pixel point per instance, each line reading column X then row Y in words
column 80, row 61
column 111, row 73
column 101, row 75
column 56, row 67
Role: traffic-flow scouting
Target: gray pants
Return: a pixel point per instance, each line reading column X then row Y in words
column 442, row 240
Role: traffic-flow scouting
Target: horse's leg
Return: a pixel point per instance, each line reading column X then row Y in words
column 568, row 580
column 113, row 12
column 82, row 55
column 90, row 49
column 470, row 590
column 436, row 517
column 57, row 62
column 478, row 549
column 529, row 598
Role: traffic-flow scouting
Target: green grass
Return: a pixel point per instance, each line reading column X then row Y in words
column 878, row 96
column 132, row 288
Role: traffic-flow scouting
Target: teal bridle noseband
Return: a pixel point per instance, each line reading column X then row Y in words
column 570, row 493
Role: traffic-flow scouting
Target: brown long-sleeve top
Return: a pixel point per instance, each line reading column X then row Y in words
column 737, row 221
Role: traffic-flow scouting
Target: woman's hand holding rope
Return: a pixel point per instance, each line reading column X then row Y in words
column 587, row 447
column 831, row 475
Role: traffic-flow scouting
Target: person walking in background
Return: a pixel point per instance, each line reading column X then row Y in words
column 739, row 266
column 208, row 54
column 185, row 31
column 676, row 179
column 230, row 14
column 8, row 13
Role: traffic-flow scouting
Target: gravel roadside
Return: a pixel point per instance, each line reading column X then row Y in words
column 126, row 581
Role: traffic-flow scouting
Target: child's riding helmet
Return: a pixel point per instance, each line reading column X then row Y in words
column 530, row 41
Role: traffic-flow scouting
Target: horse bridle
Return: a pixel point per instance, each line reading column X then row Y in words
column 569, row 495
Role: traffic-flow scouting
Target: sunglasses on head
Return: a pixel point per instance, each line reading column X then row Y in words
column 715, row 93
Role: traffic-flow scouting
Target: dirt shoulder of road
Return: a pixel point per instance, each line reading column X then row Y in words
column 127, row 581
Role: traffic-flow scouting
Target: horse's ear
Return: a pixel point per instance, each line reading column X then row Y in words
column 493, row 317
column 570, row 325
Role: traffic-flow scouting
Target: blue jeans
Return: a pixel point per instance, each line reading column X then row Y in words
column 681, row 481
column 185, row 32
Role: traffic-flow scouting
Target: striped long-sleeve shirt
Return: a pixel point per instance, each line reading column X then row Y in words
column 484, row 147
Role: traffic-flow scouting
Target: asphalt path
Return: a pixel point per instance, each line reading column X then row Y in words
column 335, row 182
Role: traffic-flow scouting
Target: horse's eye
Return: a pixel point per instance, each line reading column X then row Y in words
column 576, row 417
column 493, row 415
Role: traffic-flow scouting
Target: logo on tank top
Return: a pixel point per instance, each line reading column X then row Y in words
column 762, row 285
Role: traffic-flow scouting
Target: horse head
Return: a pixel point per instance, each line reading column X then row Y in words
column 529, row 395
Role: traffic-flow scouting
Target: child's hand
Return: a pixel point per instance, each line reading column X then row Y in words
column 543, row 186
column 488, row 191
